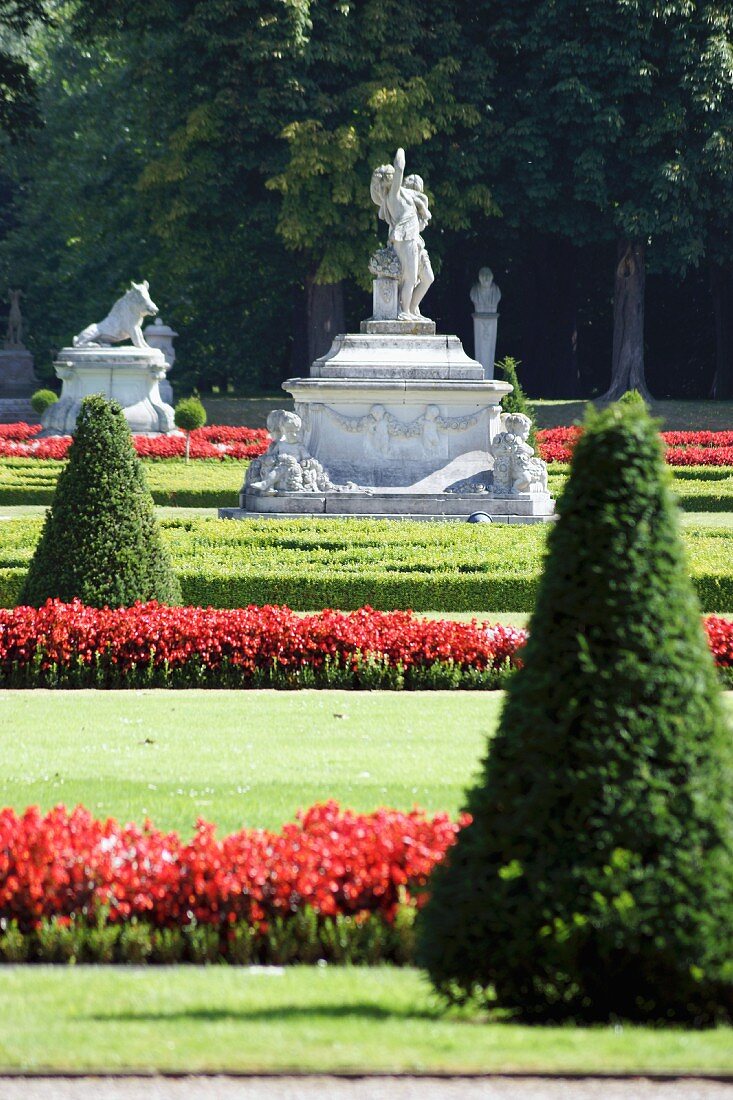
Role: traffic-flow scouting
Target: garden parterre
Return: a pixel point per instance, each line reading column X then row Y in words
column 311, row 563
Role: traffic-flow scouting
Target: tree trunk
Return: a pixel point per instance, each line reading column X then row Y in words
column 325, row 307
column 721, row 289
column 627, row 369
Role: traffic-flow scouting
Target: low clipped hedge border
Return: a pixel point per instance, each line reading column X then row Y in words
column 303, row 938
column 310, row 563
column 212, row 483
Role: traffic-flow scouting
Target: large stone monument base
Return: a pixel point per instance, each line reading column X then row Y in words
column 17, row 376
column 392, row 424
column 129, row 375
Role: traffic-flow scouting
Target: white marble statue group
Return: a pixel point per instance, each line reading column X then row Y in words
column 288, row 467
column 406, row 403
column 123, row 322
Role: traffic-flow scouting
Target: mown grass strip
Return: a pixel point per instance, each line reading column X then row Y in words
column 305, row 1018
column 240, row 758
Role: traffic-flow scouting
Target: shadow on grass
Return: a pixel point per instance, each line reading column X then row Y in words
column 280, row 1013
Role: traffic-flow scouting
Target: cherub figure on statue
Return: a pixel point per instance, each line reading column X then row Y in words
column 516, row 468
column 403, row 205
column 286, row 466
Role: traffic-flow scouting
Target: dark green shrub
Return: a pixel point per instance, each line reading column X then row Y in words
column 42, row 399
column 516, row 401
column 189, row 414
column 596, row 880
column 100, row 541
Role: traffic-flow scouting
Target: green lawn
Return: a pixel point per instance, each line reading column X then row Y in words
column 676, row 416
column 255, row 757
column 252, row 757
column 237, row 758
column 188, row 1019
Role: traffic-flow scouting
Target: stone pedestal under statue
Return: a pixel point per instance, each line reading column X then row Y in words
column 130, row 375
column 396, row 420
column 17, row 377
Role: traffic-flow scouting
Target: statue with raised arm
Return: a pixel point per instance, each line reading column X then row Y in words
column 403, row 205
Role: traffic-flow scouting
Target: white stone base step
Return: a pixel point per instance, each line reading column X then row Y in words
column 243, row 513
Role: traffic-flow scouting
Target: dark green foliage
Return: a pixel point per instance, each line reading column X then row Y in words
column 18, row 97
column 632, row 397
column 100, row 542
column 596, row 880
column 42, row 399
column 516, row 402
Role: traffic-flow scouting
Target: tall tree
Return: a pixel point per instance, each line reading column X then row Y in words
column 380, row 74
column 605, row 127
column 72, row 236
column 220, row 81
column 18, row 98
column 344, row 83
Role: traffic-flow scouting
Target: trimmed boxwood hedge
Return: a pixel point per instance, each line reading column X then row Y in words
column 310, row 563
column 210, row 483
column 100, row 541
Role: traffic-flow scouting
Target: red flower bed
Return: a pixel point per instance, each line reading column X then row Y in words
column 683, row 448
column 68, row 864
column 245, row 639
column 216, row 441
column 73, row 645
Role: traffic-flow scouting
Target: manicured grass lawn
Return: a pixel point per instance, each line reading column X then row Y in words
column 691, row 416
column 251, row 757
column 303, row 1018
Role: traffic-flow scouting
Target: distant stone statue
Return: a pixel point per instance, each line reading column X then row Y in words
column 14, row 335
column 403, row 205
column 123, row 322
column 516, row 469
column 485, row 296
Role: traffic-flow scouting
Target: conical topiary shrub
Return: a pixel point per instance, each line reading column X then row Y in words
column 596, row 880
column 100, row 542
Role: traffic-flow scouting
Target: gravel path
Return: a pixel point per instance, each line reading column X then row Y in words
column 375, row 1088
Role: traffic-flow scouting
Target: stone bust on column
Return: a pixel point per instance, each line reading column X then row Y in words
column 485, row 295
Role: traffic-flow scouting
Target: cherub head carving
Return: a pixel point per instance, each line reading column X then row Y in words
column 284, row 426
